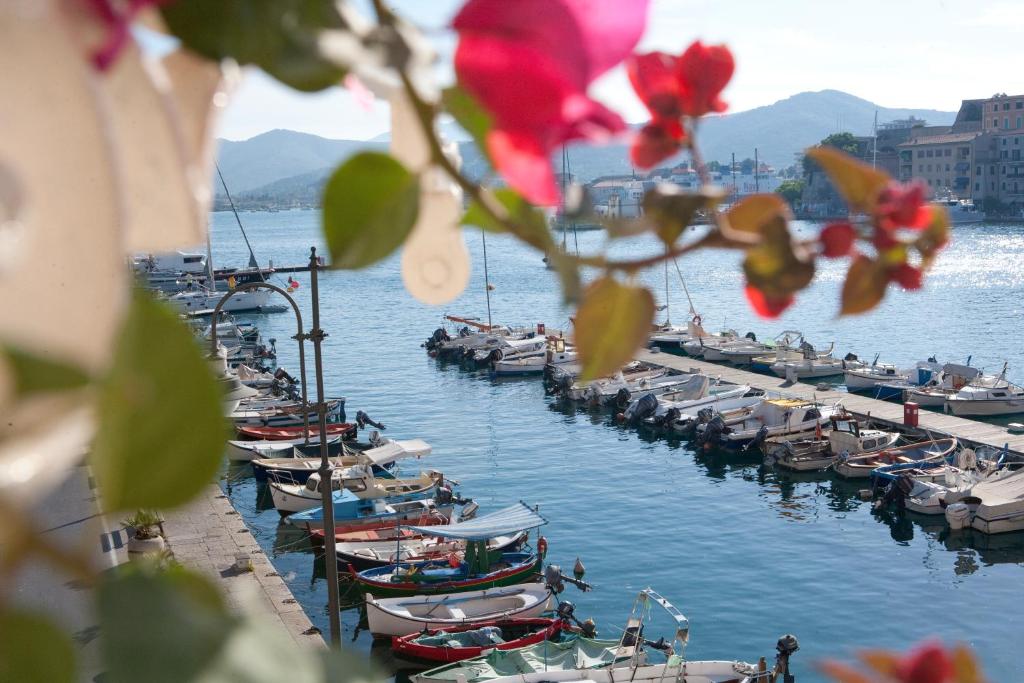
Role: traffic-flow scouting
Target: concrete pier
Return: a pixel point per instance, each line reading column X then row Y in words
column 971, row 432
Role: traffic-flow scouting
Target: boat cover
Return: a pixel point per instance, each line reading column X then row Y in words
column 485, row 636
column 510, row 520
column 395, row 450
column 577, row 653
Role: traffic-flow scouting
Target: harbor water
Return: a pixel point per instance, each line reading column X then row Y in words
column 746, row 554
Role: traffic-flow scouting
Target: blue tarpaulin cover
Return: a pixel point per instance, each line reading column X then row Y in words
column 510, row 520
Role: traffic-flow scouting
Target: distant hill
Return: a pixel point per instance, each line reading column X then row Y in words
column 286, row 168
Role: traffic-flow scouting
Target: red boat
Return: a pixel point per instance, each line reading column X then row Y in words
column 457, row 643
column 386, row 531
column 346, row 430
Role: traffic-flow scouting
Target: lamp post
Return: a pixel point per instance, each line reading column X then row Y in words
column 316, row 335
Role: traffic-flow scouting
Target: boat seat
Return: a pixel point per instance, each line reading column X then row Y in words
column 456, row 613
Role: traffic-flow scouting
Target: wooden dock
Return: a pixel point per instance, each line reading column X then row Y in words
column 973, row 432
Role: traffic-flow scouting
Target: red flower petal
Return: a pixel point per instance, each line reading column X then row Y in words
column 653, row 144
column 703, row 72
column 837, row 239
column 907, row 276
column 766, row 306
column 902, row 206
column 524, row 164
column 928, row 664
column 653, row 77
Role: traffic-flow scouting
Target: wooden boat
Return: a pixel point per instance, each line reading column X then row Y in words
column 818, row 452
column 242, row 451
column 364, row 554
column 778, row 417
column 352, row 514
column 345, row 430
column 390, row 531
column 290, row 496
column 400, row 616
column 299, row 469
column 860, row 466
column 448, row 575
column 380, row 456
column 464, row 642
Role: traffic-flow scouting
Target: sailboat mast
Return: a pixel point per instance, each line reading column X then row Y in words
column 487, row 279
column 253, row 263
column 209, row 260
column 565, row 161
column 874, row 141
column 668, row 311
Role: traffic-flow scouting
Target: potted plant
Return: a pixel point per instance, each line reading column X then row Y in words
column 147, row 538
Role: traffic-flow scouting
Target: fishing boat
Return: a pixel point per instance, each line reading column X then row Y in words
column 996, row 397
column 243, row 451
column 778, row 417
column 352, row 513
column 730, row 411
column 285, row 413
column 572, row 651
column 458, row 643
column 388, row 617
column 475, row 571
column 411, row 547
column 845, row 435
column 942, row 386
column 295, row 434
column 743, row 352
column 380, row 456
column 860, row 466
column 811, row 365
column 866, row 377
column 993, row 506
column 290, row 496
column 658, row 410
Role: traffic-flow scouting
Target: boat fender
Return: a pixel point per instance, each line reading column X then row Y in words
column 542, row 547
column 453, row 561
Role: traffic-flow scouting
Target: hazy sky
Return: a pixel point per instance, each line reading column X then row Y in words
column 897, row 53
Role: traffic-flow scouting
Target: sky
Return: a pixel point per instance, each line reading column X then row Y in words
column 897, row 53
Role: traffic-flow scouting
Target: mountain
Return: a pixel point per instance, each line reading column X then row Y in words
column 286, row 168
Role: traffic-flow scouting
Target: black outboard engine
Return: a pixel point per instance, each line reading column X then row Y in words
column 464, row 332
column 495, row 355
column 751, row 336
column 362, row 419
column 712, row 432
column 622, row 398
column 785, row 648
column 669, row 418
column 444, row 495
column 565, row 384
column 758, row 439
column 282, row 374
column 850, row 356
column 642, row 408
column 896, row 493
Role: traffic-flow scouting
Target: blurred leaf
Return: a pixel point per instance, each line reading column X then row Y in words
column 279, row 36
column 161, row 432
column 750, row 213
column 173, row 627
column 473, row 118
column 864, row 287
column 842, row 673
column 569, row 276
column 773, row 266
column 672, row 210
column 35, row 374
column 882, row 661
column 965, row 666
column 370, row 206
column 613, row 321
column 935, row 236
column 858, row 183
column 530, row 224
column 34, row 650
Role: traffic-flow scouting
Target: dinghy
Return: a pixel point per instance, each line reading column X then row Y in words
column 345, row 430
column 380, row 456
column 414, row 547
column 475, row 571
column 352, row 513
column 465, row 642
column 400, row 616
column 860, row 466
column 290, row 496
column 845, row 435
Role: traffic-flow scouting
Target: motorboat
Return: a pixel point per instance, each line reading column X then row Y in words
column 583, row 391
column 928, row 491
column 917, row 454
column 743, row 352
column 511, row 348
column 771, row 417
column 556, row 353
column 844, row 435
column 200, row 299
column 992, row 506
column 400, row 616
column 729, row 411
column 294, row 434
column 285, row 412
column 945, row 384
column 415, row 547
column 865, row 378
column 379, row 454
column 996, row 397
column 242, row 451
column 811, row 365
column 922, row 373
column 697, row 346
column 290, row 496
column 352, row 513
column 455, row 644
column 660, row 410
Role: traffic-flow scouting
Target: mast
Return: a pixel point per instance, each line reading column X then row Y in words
column 732, row 168
column 874, row 141
column 209, row 259
column 757, row 165
column 252, row 256
column 487, row 279
column 565, row 163
column 668, row 311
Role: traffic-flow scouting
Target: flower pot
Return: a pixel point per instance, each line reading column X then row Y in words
column 141, row 547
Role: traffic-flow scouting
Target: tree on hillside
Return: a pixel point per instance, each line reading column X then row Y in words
column 791, row 191
column 844, row 142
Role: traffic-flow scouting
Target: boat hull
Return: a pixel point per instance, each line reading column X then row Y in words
column 520, row 572
column 537, row 631
column 985, row 407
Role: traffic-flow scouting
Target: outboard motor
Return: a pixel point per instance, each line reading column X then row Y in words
column 642, row 408
column 622, row 398
column 758, row 439
column 362, row 419
column 495, row 355
column 565, row 384
column 712, row 432
column 282, row 374
column 784, row 649
column 896, row 493
column 751, row 336
column 553, row 578
column 444, row 495
column 669, row 418
column 464, row 332
column 850, row 356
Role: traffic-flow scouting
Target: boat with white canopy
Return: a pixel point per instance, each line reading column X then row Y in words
column 996, row 397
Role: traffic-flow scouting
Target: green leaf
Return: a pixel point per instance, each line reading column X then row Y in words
column 280, row 36
column 613, row 321
column 33, row 650
column 856, row 181
column 773, row 266
column 35, row 374
column 865, row 286
column 370, row 206
column 473, row 118
column 530, row 224
column 751, row 213
column 173, row 627
column 161, row 433
column 672, row 210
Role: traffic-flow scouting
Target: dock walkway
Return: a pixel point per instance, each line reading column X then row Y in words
column 971, row 431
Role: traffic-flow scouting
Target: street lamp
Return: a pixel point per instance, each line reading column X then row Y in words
column 316, row 335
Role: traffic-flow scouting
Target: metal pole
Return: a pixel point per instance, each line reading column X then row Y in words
column 757, row 170
column 326, row 492
column 735, row 194
column 487, row 278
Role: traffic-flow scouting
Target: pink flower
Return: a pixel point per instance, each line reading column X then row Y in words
column 767, row 306
column 529, row 63
column 118, row 18
column 902, row 206
column 837, row 239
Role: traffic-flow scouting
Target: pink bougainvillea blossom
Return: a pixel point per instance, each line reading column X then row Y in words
column 529, row 63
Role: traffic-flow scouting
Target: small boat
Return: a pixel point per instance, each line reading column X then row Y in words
column 201, row 299
column 664, row 410
column 845, row 435
column 345, row 430
column 290, row 496
column 380, row 456
column 511, row 348
column 861, row 466
column 866, row 377
column 465, row 642
column 415, row 547
column 774, row 417
column 400, row 616
column 284, row 413
column 549, row 656
column 610, row 386
column 244, row 451
column 698, row 346
column 992, row 506
column 812, row 365
column 352, row 513
column 730, row 411
column 997, row 397
column 922, row 373
column 927, row 491
column 745, row 351
column 475, row 571
column 946, row 383
column 557, row 353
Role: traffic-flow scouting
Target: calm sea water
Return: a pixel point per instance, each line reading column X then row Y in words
column 746, row 555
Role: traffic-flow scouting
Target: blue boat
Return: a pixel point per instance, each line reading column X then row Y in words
column 352, row 513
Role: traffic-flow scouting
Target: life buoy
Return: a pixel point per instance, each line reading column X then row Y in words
column 542, row 546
